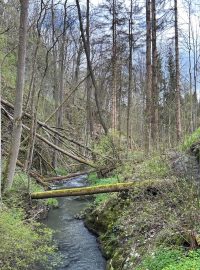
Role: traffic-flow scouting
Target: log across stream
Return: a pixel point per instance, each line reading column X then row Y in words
column 78, row 247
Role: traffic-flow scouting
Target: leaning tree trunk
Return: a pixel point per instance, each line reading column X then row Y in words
column 88, row 81
column 17, row 123
column 96, row 90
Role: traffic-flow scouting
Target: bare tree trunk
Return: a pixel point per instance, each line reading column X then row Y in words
column 148, row 77
column 88, row 81
column 17, row 123
column 178, row 96
column 55, row 85
column 0, row 140
column 119, row 102
column 114, row 70
column 31, row 100
column 154, row 113
column 62, row 68
column 31, row 144
column 77, row 69
column 195, row 73
column 130, row 82
column 190, row 69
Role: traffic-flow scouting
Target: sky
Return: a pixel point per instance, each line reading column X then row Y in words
column 183, row 25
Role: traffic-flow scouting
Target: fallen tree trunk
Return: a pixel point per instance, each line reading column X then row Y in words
column 45, row 126
column 35, row 175
column 65, row 177
column 56, row 132
column 89, row 190
column 59, row 149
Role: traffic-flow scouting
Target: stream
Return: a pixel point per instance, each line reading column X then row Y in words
column 78, row 247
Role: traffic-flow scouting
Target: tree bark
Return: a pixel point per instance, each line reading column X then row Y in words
column 83, row 191
column 88, row 80
column 178, row 95
column 96, row 189
column 55, row 82
column 114, row 70
column 0, row 144
column 81, row 160
column 59, row 149
column 65, row 177
column 45, row 126
column 148, row 78
column 17, row 123
column 130, row 82
column 31, row 98
column 154, row 102
column 190, row 68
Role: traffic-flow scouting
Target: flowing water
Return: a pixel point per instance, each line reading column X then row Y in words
column 78, row 247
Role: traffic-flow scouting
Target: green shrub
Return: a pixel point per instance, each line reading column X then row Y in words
column 171, row 259
column 21, row 182
column 160, row 259
column 191, row 139
column 95, row 181
column 23, row 245
column 52, row 202
column 189, row 262
column 109, row 151
column 17, row 196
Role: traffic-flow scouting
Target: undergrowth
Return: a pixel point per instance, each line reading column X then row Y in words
column 95, row 181
column 171, row 259
column 18, row 195
column 136, row 224
column 191, row 139
column 26, row 243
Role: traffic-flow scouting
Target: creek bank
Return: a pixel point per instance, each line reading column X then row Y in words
column 131, row 225
column 28, row 243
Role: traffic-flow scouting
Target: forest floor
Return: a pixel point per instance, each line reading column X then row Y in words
column 155, row 227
